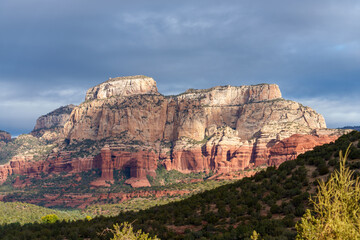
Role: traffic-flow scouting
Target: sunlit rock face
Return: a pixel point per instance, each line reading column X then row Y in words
column 122, row 87
column 50, row 126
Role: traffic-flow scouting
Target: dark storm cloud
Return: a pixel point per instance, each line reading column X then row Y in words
column 52, row 51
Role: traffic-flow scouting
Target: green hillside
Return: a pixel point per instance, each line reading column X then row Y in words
column 16, row 212
column 271, row 203
column 24, row 144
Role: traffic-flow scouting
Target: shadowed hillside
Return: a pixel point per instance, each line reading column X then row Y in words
column 271, row 202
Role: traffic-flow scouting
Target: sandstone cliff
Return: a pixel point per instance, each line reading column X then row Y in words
column 122, row 87
column 50, row 126
column 125, row 123
column 154, row 117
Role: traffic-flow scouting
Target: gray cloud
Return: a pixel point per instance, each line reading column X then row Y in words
column 52, row 51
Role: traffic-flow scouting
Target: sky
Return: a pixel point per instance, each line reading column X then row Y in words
column 52, row 51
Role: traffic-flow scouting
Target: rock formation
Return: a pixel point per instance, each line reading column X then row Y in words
column 125, row 123
column 50, row 126
column 122, row 87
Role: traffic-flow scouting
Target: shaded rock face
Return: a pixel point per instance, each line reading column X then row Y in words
column 4, row 136
column 50, row 126
column 221, row 129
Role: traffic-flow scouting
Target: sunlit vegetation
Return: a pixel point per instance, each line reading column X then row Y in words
column 16, row 212
column 24, row 144
column 125, row 231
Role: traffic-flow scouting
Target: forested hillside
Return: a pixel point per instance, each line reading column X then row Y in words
column 271, row 202
column 17, row 212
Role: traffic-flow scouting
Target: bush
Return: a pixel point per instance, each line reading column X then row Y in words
column 336, row 213
column 323, row 169
column 50, row 218
column 125, row 232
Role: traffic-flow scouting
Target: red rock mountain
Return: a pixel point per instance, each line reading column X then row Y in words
column 125, row 123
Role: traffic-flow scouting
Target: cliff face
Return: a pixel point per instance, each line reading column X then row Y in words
column 50, row 126
column 221, row 129
column 122, row 87
column 153, row 117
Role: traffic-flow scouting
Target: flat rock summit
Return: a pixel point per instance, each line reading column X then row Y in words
column 125, row 123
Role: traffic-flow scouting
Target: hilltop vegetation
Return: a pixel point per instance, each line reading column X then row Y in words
column 25, row 144
column 16, row 212
column 271, row 202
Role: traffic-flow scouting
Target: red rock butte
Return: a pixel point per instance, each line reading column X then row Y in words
column 222, row 129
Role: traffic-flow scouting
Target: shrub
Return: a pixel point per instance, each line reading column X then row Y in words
column 125, row 232
column 336, row 213
column 50, row 218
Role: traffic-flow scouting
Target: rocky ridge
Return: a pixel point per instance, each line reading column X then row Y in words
column 122, row 87
column 4, row 136
column 50, row 126
column 222, row 129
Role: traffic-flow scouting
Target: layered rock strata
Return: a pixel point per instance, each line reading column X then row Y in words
column 221, row 129
column 50, row 126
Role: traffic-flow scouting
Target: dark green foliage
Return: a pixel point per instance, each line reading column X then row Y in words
column 322, row 169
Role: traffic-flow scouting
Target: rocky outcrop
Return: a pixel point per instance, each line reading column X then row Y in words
column 138, row 164
column 50, row 126
column 289, row 148
column 152, row 117
column 5, row 171
column 122, row 87
column 130, row 126
column 4, row 136
column 226, row 153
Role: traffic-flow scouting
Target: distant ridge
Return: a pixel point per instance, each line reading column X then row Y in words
column 357, row 128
